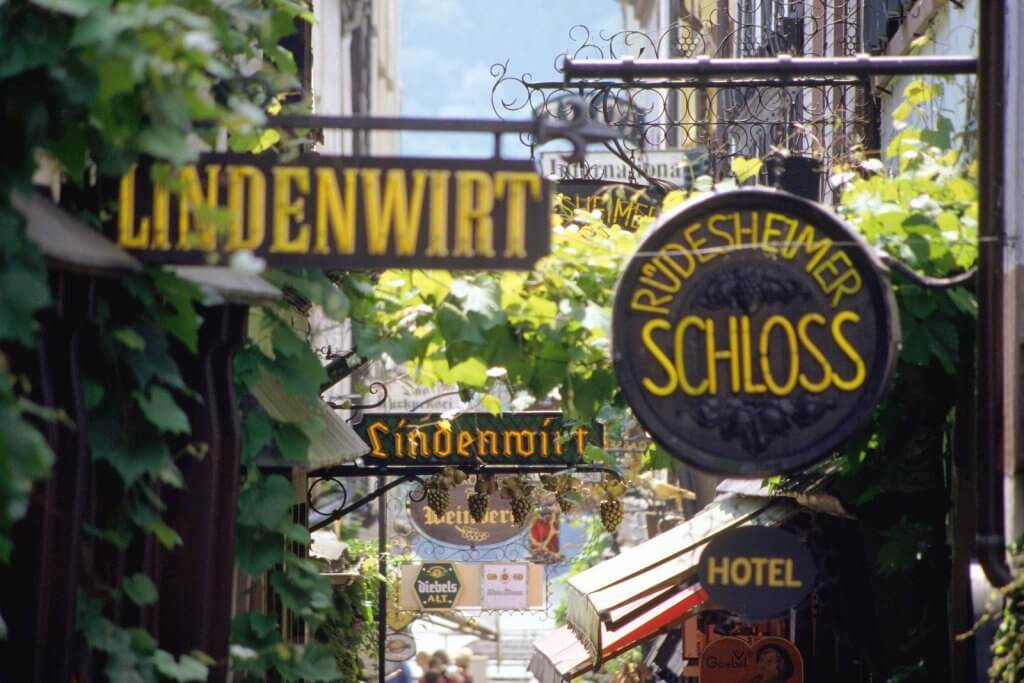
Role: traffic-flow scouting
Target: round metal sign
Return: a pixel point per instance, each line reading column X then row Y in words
column 753, row 331
column 757, row 572
column 399, row 647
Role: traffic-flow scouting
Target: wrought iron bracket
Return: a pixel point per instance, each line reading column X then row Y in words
column 925, row 281
column 578, row 128
column 355, row 505
column 407, row 473
column 781, row 67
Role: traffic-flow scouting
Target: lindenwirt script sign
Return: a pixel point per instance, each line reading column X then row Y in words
column 510, row 438
column 332, row 212
column 753, row 332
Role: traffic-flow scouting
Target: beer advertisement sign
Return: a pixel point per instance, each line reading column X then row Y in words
column 340, row 213
column 437, row 585
column 753, row 332
column 619, row 203
column 745, row 660
column 457, row 526
column 504, row 586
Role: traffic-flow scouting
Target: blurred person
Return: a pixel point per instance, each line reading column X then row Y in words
column 435, row 672
column 463, row 658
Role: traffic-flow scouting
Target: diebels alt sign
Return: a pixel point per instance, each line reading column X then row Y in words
column 331, row 212
column 510, row 438
column 438, row 585
column 753, row 332
column 757, row 572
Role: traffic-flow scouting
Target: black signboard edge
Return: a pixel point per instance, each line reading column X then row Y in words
column 812, row 556
column 888, row 340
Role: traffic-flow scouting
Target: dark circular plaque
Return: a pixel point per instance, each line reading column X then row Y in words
column 753, row 331
column 757, row 572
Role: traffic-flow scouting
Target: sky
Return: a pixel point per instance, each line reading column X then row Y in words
column 447, row 49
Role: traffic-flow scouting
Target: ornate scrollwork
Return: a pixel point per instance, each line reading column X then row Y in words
column 825, row 119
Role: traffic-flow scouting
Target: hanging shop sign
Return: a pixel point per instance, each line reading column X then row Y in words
column 757, row 572
column 764, row 660
column 437, row 585
column 619, row 203
column 457, row 526
column 470, row 577
column 680, row 167
column 506, row 439
column 753, row 332
column 339, row 213
column 399, row 647
column 504, row 586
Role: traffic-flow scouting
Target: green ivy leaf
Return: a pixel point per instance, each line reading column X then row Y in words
column 179, row 316
column 162, row 411
column 185, row 668
column 139, row 589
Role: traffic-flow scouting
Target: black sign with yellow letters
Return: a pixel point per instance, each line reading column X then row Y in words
column 619, row 203
column 753, row 332
column 531, row 438
column 339, row 213
column 757, row 572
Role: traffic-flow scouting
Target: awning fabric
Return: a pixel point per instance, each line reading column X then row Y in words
column 332, row 441
column 562, row 656
column 617, row 604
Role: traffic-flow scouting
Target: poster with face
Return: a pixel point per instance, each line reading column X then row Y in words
column 764, row 660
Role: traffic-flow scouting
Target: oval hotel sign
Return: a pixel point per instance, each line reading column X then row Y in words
column 753, row 331
column 757, row 572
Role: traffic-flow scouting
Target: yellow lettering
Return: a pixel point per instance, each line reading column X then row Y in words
column 524, row 443
column 654, row 303
column 815, row 353
column 806, row 239
column 437, row 242
column 487, row 436
column 714, row 356
column 127, row 236
column 684, row 383
column 794, row 358
column 839, row 285
column 739, row 572
column 718, row 571
column 396, row 209
column 790, row 581
column 775, row 569
column 696, row 244
column 758, row 564
column 334, row 216
column 719, row 232
column 238, row 178
column 192, row 203
column 464, row 443
column 666, row 364
column 286, row 210
column 851, row 353
column 374, row 432
column 749, row 386
column 161, row 218
column 518, row 183
column 742, row 231
column 474, row 204
column 442, row 442
column 771, row 232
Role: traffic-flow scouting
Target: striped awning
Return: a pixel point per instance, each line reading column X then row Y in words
column 624, row 601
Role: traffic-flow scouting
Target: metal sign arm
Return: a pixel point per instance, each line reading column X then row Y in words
column 578, row 129
column 783, row 66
